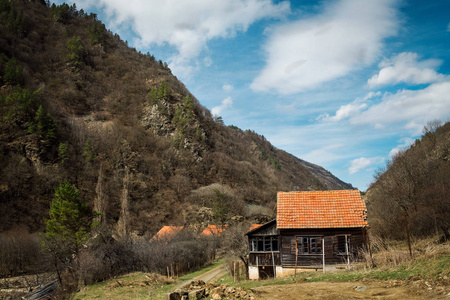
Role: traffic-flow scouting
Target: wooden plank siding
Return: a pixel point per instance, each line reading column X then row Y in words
column 289, row 238
column 264, row 258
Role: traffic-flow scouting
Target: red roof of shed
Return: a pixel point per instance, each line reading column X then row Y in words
column 254, row 226
column 321, row 209
column 214, row 229
column 167, row 232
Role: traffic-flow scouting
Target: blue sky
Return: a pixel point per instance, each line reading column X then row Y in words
column 344, row 84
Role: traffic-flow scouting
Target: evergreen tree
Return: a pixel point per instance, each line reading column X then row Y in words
column 44, row 126
column 75, row 51
column 62, row 153
column 88, row 151
column 162, row 93
column 13, row 72
column 69, row 225
column 221, row 207
column 154, row 95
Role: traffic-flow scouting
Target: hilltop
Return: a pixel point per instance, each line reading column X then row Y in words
column 77, row 103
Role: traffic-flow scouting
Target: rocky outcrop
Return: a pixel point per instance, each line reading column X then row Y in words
column 198, row 289
column 157, row 117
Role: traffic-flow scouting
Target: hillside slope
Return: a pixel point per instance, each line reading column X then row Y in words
column 77, row 103
column 413, row 189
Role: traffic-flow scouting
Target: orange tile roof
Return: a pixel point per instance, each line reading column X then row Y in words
column 167, row 231
column 321, row 209
column 254, row 226
column 214, row 229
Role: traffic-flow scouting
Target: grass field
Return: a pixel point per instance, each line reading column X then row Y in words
column 432, row 264
column 137, row 286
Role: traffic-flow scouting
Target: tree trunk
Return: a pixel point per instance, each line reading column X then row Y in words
column 407, row 233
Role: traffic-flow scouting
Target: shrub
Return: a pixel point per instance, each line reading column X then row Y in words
column 13, row 72
column 20, row 252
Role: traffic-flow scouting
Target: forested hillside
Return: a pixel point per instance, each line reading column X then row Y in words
column 413, row 191
column 78, row 104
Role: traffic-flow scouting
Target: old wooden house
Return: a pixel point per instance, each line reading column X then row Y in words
column 316, row 229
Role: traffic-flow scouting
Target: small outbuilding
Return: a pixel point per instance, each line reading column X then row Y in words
column 314, row 229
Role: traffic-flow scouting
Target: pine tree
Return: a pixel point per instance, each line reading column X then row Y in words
column 44, row 126
column 154, row 95
column 13, row 72
column 62, row 153
column 69, row 225
column 75, row 51
column 88, row 151
column 162, row 93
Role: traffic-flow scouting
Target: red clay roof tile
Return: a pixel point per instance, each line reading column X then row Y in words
column 167, row 232
column 254, row 226
column 321, row 209
column 214, row 230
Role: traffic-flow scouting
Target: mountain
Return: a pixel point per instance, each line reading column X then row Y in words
column 78, row 104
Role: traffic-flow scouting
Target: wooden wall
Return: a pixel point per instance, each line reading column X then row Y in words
column 264, row 258
column 330, row 236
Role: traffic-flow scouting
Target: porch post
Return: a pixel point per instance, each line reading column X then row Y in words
column 323, row 254
column 296, row 256
column 274, row 268
column 346, row 251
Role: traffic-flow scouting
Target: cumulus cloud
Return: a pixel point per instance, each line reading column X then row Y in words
column 226, row 103
column 406, row 68
column 347, row 35
column 344, row 112
column 362, row 163
column 349, row 110
column 413, row 108
column 184, row 24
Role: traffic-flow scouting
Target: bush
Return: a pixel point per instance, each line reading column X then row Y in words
column 20, row 253
column 13, row 72
column 107, row 257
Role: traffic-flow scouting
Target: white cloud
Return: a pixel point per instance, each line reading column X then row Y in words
column 184, row 24
column 346, row 36
column 344, row 112
column 362, row 163
column 406, row 67
column 405, row 143
column 226, row 103
column 227, row 87
column 349, row 110
column 412, row 108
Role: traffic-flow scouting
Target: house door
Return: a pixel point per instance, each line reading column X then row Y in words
column 266, row 272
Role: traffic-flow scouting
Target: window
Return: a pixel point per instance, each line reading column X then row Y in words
column 309, row 245
column 264, row 243
column 343, row 243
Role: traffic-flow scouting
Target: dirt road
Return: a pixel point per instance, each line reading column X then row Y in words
column 348, row 290
column 209, row 276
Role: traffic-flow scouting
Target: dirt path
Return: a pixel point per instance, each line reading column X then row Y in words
column 210, row 276
column 345, row 290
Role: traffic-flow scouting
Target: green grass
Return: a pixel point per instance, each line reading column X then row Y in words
column 134, row 287
column 425, row 268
